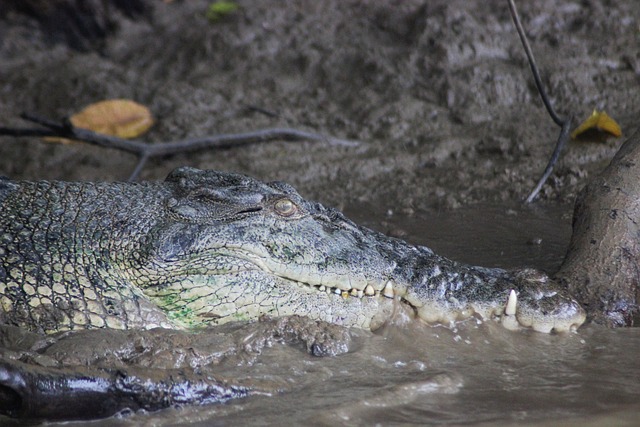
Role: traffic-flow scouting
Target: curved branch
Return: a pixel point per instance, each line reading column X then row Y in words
column 144, row 151
column 560, row 143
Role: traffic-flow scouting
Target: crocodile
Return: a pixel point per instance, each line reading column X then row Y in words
column 206, row 247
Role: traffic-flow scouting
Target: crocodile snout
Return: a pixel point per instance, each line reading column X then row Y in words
column 538, row 302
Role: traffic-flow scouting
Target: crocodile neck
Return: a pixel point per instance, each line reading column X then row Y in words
column 63, row 246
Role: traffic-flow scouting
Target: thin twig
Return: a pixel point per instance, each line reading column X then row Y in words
column 237, row 139
column 144, row 150
column 142, row 160
column 565, row 124
column 532, row 64
column 560, row 144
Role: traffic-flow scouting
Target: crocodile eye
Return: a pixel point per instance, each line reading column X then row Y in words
column 285, row 207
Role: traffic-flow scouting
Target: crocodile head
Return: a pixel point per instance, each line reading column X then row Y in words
column 230, row 247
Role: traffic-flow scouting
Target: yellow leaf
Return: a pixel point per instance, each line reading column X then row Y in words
column 598, row 120
column 116, row 117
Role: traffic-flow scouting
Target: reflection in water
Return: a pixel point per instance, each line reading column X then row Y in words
column 474, row 373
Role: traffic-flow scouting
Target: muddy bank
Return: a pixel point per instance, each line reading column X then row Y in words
column 439, row 94
column 98, row 373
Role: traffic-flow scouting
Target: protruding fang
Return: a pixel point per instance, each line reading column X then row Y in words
column 510, row 322
column 388, row 290
column 369, row 291
column 322, row 288
column 510, row 309
column 337, row 291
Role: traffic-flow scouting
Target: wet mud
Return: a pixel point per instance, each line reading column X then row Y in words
column 98, row 373
column 452, row 137
column 438, row 93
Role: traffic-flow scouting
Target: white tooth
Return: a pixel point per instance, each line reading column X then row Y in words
column 360, row 293
column 510, row 323
column 388, row 290
column 510, row 309
column 337, row 291
column 322, row 288
column 369, row 291
column 354, row 292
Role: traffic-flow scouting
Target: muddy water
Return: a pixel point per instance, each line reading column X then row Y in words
column 489, row 235
column 475, row 373
column 421, row 376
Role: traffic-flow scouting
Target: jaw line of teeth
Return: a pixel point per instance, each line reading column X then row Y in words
column 369, row 291
column 343, row 289
column 505, row 314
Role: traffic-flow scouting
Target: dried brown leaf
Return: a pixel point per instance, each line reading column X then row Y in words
column 116, row 117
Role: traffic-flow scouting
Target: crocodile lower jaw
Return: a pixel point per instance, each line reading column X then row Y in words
column 508, row 315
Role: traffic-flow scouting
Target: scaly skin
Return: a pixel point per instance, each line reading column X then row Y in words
column 207, row 247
